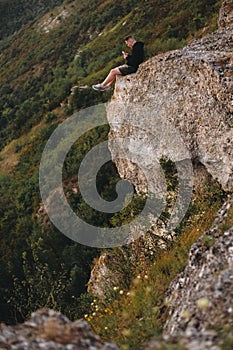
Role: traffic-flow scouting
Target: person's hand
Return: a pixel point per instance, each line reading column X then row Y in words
column 125, row 54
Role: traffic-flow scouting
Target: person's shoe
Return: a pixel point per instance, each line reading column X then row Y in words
column 100, row 87
column 97, row 87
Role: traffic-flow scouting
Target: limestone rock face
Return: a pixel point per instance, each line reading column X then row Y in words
column 180, row 96
column 226, row 14
column 49, row 330
column 103, row 278
column 187, row 93
column 200, row 298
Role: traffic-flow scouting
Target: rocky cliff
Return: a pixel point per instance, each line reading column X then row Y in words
column 179, row 104
column 191, row 91
column 201, row 297
column 199, row 302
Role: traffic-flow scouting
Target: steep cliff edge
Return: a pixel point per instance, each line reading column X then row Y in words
column 191, row 89
column 200, row 299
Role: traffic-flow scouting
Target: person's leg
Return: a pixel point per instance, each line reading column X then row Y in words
column 109, row 80
column 111, row 77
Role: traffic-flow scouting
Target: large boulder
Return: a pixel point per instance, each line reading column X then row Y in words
column 189, row 90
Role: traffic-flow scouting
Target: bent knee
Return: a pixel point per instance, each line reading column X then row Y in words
column 115, row 71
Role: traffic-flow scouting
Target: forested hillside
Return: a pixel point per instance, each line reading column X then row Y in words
column 74, row 44
column 16, row 13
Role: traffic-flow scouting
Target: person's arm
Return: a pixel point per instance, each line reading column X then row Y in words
column 125, row 54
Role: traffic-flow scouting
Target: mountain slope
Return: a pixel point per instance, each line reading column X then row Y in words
column 38, row 67
column 16, row 13
column 75, row 44
column 180, row 95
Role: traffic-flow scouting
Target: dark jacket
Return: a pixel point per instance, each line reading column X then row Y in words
column 137, row 55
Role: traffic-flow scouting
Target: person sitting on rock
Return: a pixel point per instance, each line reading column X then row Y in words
column 132, row 63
